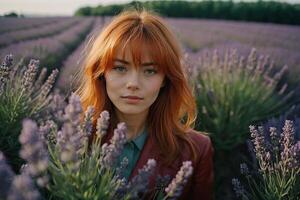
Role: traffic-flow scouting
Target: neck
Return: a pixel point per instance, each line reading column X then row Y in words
column 135, row 123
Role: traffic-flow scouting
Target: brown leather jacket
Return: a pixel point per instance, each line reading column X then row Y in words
column 199, row 186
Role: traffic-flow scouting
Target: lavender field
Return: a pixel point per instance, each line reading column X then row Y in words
column 41, row 38
column 280, row 42
column 243, row 74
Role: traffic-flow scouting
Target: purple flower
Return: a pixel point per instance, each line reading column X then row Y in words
column 69, row 142
column 122, row 167
column 22, row 188
column 102, row 124
column 6, row 177
column 5, row 66
column 30, row 73
column 41, row 78
column 244, row 169
column 138, row 184
column 71, row 139
column 288, row 159
column 33, row 149
column 239, row 189
column 259, row 147
column 176, row 186
column 73, row 110
column 88, row 121
column 5, row 70
column 46, row 87
column 111, row 152
column 56, row 108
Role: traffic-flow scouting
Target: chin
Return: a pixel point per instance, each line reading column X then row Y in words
column 131, row 110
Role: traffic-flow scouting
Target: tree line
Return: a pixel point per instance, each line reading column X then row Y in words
column 260, row 11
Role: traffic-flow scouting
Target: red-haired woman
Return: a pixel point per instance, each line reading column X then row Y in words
column 134, row 70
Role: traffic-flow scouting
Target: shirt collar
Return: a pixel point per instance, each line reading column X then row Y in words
column 140, row 140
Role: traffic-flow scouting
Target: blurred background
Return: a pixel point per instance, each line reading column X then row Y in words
column 58, row 32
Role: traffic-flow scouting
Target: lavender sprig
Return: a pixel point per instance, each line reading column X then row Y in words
column 138, row 184
column 288, row 160
column 176, row 186
column 33, row 150
column 46, row 87
column 5, row 70
column 87, row 125
column 239, row 190
column 30, row 74
column 110, row 153
column 22, row 188
column 102, row 124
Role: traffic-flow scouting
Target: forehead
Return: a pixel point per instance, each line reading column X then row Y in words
column 136, row 52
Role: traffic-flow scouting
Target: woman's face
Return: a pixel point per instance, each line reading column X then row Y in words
column 133, row 91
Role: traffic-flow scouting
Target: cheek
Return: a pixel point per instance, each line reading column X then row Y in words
column 154, row 88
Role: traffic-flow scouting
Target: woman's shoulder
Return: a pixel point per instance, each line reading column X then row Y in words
column 199, row 137
column 201, row 141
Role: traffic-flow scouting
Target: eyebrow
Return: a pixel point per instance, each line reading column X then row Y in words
column 126, row 62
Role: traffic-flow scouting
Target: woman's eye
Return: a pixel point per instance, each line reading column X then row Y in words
column 119, row 68
column 150, row 71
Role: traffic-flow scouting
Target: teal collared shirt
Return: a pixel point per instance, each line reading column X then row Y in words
column 132, row 150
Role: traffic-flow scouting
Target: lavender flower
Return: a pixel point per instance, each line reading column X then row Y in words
column 88, row 121
column 73, row 110
column 33, row 149
column 69, row 142
column 138, row 182
column 102, row 124
column 244, row 169
column 4, row 71
column 46, row 87
column 111, row 152
column 176, row 186
column 56, row 108
column 287, row 138
column 71, row 139
column 41, row 78
column 6, row 177
column 259, row 147
column 30, row 73
column 239, row 189
column 5, row 66
column 122, row 167
column 23, row 189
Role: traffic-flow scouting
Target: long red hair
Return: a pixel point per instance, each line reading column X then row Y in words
column 174, row 110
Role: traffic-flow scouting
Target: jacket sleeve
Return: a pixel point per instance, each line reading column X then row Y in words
column 202, row 184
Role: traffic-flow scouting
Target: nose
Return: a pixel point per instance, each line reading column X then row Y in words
column 133, row 80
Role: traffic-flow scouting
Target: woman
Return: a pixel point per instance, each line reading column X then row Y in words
column 134, row 70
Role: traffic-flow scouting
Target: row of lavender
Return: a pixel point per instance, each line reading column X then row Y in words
column 14, row 24
column 43, row 30
column 52, row 50
column 280, row 42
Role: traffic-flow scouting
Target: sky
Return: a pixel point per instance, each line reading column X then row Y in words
column 61, row 7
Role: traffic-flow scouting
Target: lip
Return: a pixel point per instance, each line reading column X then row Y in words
column 132, row 97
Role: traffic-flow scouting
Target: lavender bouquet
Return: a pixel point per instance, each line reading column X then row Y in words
column 278, row 175
column 23, row 93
